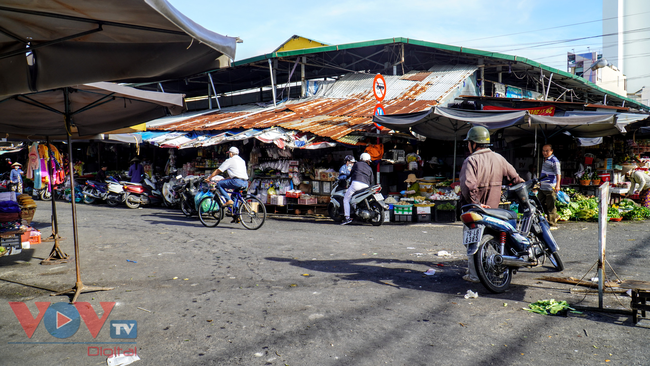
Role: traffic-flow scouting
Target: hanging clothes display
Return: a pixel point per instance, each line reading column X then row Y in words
column 32, row 163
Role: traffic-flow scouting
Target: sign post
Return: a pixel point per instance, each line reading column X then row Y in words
column 379, row 90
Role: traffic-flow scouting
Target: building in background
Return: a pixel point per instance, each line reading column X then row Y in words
column 603, row 74
column 626, row 42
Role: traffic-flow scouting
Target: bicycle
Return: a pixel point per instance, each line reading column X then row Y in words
column 247, row 209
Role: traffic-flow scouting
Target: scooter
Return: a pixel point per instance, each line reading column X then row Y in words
column 171, row 191
column 152, row 192
column 500, row 245
column 187, row 193
column 366, row 205
column 94, row 190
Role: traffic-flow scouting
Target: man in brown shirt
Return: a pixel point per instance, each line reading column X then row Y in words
column 481, row 178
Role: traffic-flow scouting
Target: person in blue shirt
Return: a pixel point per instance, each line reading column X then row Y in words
column 16, row 177
column 136, row 171
column 344, row 171
column 550, row 184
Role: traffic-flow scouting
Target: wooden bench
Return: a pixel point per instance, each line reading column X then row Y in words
column 638, row 303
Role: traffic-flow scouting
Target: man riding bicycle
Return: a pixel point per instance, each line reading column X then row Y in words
column 235, row 166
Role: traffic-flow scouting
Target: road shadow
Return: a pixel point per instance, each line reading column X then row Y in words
column 398, row 273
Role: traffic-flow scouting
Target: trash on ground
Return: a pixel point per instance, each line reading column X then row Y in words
column 430, row 272
column 443, row 253
column 471, row 294
column 128, row 260
column 121, row 360
column 143, row 309
column 546, row 307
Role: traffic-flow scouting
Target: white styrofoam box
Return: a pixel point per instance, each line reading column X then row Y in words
column 423, row 210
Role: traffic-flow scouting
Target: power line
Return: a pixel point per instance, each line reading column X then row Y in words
column 544, row 29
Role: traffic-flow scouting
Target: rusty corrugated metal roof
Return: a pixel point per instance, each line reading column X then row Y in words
column 339, row 108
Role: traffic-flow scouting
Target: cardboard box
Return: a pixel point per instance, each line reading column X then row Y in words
column 307, row 201
column 278, row 200
column 423, row 210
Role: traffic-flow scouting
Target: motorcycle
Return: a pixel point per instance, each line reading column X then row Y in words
column 366, row 205
column 152, row 194
column 188, row 190
column 171, row 191
column 500, row 244
column 134, row 193
column 95, row 190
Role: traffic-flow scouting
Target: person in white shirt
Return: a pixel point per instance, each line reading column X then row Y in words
column 236, row 168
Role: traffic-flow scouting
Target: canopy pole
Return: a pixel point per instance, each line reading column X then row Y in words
column 79, row 286
column 216, row 97
column 272, row 82
column 56, row 254
column 453, row 171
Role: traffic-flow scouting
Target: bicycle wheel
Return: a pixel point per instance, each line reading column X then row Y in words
column 210, row 211
column 252, row 212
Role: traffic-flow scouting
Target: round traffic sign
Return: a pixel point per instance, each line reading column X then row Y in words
column 379, row 110
column 379, row 87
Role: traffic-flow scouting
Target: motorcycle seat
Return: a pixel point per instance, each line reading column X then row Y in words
column 501, row 213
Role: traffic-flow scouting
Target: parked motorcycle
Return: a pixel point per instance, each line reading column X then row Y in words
column 172, row 190
column 366, row 205
column 500, row 245
column 110, row 191
column 152, row 192
column 45, row 195
column 134, row 193
column 188, row 191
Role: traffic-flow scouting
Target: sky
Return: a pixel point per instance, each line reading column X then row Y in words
column 514, row 27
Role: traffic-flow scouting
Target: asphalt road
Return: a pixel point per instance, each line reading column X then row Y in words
column 310, row 292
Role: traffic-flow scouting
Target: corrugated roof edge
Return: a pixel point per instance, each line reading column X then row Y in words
column 470, row 51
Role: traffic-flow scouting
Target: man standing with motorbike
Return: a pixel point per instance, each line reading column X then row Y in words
column 550, row 184
column 236, row 168
column 361, row 177
column 481, row 177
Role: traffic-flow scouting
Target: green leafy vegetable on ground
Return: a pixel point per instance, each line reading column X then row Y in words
column 551, row 306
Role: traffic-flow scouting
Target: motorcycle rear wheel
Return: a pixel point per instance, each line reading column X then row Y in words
column 132, row 201
column 334, row 213
column 45, row 195
column 186, row 207
column 88, row 200
column 495, row 278
column 379, row 217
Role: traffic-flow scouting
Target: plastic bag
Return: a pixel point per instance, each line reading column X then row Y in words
column 563, row 197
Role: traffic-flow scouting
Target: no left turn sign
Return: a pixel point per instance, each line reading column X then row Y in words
column 379, row 87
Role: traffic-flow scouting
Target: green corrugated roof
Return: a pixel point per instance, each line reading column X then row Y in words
column 440, row 46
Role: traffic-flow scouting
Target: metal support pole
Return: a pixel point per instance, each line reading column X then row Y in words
column 209, row 98
column 482, row 80
column 603, row 193
column 548, row 89
column 453, row 169
column 303, row 81
column 78, row 286
column 216, row 97
column 272, row 82
column 56, row 254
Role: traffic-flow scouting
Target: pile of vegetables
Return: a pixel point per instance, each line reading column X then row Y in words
column 582, row 208
column 551, row 306
column 446, row 207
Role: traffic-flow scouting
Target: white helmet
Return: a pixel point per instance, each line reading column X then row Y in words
column 364, row 157
column 234, row 150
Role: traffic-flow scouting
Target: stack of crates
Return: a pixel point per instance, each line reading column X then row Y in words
column 403, row 213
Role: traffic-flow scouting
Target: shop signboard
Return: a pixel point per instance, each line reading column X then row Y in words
column 547, row 110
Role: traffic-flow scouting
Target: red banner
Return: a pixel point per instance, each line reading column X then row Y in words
column 548, row 110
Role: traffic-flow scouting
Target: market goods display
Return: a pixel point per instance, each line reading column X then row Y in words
column 583, row 208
